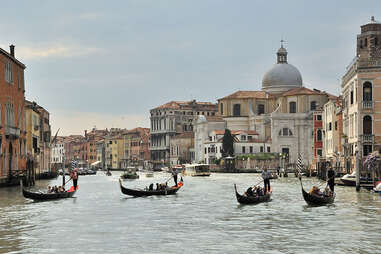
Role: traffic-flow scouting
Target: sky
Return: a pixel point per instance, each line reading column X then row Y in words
column 105, row 64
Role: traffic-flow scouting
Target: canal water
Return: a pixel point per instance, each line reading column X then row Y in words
column 204, row 217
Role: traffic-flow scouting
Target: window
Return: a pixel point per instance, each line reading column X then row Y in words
column 318, row 117
column 366, row 42
column 243, row 149
column 318, row 135
column 243, row 137
column 319, row 152
column 261, row 109
column 285, row 132
column 330, row 126
column 367, row 125
column 8, row 75
column 249, row 137
column 367, row 149
column 268, row 149
column 367, row 91
column 237, row 110
column 335, row 125
column 251, row 149
column 313, row 105
column 351, row 97
column 222, row 108
column 293, row 107
column 261, row 149
column 205, row 150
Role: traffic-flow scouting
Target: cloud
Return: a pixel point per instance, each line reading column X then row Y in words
column 76, row 122
column 55, row 51
column 91, row 16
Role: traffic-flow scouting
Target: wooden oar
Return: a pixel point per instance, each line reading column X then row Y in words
column 258, row 183
column 68, row 181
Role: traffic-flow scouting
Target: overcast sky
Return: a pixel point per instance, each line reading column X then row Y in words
column 107, row 63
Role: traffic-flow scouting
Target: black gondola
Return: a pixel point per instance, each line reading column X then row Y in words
column 144, row 193
column 315, row 200
column 40, row 196
column 252, row 199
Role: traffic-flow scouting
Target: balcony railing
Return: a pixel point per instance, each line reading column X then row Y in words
column 367, row 104
column 367, row 138
column 12, row 132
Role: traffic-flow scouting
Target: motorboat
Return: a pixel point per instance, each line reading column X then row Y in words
column 377, row 187
column 349, row 179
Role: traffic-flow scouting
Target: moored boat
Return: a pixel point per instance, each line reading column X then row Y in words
column 243, row 199
column 316, row 200
column 142, row 193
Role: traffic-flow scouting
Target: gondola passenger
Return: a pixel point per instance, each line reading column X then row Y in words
column 249, row 192
column 151, row 187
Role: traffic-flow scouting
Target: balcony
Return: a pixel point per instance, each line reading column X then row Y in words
column 366, row 105
column 367, row 138
column 12, row 132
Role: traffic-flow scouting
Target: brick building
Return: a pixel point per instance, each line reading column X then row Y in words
column 12, row 131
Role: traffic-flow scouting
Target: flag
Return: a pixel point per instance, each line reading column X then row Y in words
column 299, row 163
column 74, row 164
column 55, row 137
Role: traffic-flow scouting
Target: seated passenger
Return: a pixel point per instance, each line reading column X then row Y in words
column 157, row 186
column 249, row 192
column 327, row 192
column 49, row 189
column 151, row 187
column 315, row 191
column 259, row 191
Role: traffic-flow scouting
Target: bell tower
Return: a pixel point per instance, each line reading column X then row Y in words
column 369, row 41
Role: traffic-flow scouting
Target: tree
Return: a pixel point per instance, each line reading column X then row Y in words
column 227, row 144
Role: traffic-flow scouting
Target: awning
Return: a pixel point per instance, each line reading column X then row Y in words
column 96, row 163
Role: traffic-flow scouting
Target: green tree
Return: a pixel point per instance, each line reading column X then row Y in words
column 227, row 144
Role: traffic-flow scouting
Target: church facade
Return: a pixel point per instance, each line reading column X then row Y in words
column 281, row 113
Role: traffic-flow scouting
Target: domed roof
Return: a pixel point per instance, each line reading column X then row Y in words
column 282, row 76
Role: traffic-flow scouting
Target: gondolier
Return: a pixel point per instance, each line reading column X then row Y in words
column 74, row 176
column 266, row 179
column 331, row 178
column 174, row 174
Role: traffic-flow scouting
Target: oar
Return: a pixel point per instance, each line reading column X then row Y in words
column 258, row 183
column 67, row 181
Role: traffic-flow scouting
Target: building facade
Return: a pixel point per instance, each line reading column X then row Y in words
column 170, row 119
column 361, row 92
column 282, row 113
column 13, row 131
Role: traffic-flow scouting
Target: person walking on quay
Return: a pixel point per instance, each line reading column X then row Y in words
column 174, row 174
column 331, row 178
column 266, row 180
column 74, row 176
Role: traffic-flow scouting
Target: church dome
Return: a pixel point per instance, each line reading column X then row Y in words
column 282, row 76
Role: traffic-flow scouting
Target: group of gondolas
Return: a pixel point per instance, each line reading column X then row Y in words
column 314, row 197
column 49, row 195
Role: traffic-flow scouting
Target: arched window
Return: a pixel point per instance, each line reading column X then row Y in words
column 367, row 125
column 318, row 135
column 237, row 110
column 367, row 91
column 313, row 105
column 222, row 108
column 292, row 107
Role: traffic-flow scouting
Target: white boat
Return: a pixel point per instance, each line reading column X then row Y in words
column 196, row 170
column 378, row 187
column 349, row 179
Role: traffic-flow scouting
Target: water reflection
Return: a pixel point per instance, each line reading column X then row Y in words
column 203, row 217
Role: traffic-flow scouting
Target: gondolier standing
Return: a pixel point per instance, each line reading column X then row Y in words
column 174, row 174
column 74, row 176
column 331, row 178
column 266, row 179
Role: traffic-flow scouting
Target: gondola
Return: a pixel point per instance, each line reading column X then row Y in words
column 252, row 199
column 314, row 200
column 144, row 193
column 41, row 196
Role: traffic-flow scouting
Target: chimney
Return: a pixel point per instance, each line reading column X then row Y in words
column 12, row 50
